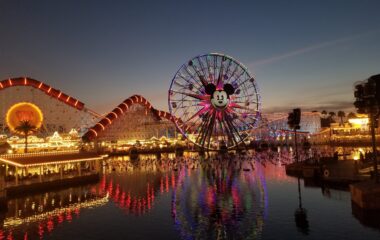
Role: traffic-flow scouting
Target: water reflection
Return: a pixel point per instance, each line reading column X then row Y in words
column 214, row 203
column 300, row 214
column 203, row 199
column 34, row 216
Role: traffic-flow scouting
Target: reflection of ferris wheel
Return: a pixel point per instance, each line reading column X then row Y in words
column 216, row 101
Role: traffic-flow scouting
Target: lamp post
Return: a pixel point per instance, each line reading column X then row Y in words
column 294, row 120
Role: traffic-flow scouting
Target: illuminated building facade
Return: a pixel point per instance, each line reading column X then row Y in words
column 355, row 131
column 275, row 126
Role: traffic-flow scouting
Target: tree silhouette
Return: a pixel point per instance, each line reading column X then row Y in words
column 331, row 117
column 341, row 114
column 351, row 115
column 26, row 128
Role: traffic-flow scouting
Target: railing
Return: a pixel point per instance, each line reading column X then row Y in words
column 37, row 154
column 47, row 178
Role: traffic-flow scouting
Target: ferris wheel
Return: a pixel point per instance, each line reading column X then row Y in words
column 215, row 101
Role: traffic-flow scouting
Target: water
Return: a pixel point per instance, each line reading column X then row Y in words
column 149, row 201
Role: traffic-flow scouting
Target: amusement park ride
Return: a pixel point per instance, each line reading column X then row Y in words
column 215, row 100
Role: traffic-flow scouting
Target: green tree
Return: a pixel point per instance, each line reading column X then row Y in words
column 26, row 128
column 341, row 115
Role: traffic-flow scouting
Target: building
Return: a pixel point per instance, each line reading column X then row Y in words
column 356, row 131
column 274, row 126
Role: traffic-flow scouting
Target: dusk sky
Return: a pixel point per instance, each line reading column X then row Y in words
column 303, row 53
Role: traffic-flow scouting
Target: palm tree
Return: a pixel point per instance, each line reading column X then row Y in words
column 351, row 115
column 341, row 114
column 26, row 128
column 324, row 113
column 331, row 117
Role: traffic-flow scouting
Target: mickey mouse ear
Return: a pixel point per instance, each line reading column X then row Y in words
column 210, row 88
column 229, row 89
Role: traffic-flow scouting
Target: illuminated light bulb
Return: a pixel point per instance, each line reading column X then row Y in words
column 101, row 125
column 114, row 114
column 92, row 130
column 125, row 105
column 109, row 120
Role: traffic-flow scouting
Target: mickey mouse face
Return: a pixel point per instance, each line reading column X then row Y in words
column 220, row 98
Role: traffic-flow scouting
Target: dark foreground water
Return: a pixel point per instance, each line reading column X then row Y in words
column 150, row 201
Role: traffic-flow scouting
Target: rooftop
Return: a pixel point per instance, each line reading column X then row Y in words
column 32, row 160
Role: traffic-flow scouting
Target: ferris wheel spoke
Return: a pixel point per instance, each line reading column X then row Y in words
column 225, row 73
column 193, row 76
column 234, row 105
column 187, row 106
column 229, row 122
column 197, row 114
column 237, row 78
column 210, row 129
column 220, row 76
column 229, row 132
column 183, row 100
column 207, row 129
column 245, row 97
column 196, row 96
column 245, row 80
column 200, row 76
column 201, row 66
column 248, row 125
column 190, row 86
column 215, row 67
column 191, row 81
column 232, row 74
column 201, row 133
column 210, row 75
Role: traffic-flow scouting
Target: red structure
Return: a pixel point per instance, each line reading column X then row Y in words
column 48, row 90
column 120, row 110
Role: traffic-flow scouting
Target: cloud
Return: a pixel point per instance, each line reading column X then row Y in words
column 310, row 48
